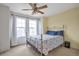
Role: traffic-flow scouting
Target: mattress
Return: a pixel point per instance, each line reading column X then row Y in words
column 49, row 42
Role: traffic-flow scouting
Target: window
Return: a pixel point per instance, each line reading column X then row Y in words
column 32, row 27
column 20, row 27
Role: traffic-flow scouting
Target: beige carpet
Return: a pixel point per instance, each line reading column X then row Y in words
column 24, row 50
column 62, row 51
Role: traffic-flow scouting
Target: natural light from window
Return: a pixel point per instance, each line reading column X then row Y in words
column 20, row 27
column 32, row 27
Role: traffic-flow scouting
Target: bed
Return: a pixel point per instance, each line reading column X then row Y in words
column 47, row 42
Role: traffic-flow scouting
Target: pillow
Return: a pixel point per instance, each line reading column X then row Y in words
column 60, row 33
column 55, row 33
column 51, row 33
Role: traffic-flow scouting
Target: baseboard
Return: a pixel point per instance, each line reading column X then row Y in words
column 18, row 45
column 75, row 48
column 4, row 51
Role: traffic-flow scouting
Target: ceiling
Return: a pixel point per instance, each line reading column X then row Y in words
column 53, row 8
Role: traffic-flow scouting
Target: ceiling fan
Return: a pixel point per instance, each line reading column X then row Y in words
column 35, row 8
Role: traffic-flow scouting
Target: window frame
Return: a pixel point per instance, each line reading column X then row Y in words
column 37, row 26
column 27, row 25
column 19, row 27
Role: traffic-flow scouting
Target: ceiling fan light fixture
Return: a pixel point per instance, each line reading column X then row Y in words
column 35, row 8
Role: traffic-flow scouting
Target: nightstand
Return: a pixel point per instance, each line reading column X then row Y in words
column 67, row 44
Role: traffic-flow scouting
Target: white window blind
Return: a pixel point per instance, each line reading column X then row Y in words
column 32, row 27
column 20, row 27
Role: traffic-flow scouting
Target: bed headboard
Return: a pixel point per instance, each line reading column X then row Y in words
column 56, row 30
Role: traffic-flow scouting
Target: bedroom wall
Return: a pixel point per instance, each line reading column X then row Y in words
column 4, row 28
column 45, row 24
column 70, row 19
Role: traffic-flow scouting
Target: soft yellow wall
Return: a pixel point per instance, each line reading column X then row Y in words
column 70, row 19
column 45, row 24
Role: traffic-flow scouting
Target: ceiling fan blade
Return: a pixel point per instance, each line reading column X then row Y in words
column 45, row 6
column 35, row 4
column 26, row 9
column 33, row 12
column 30, row 4
column 40, row 12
